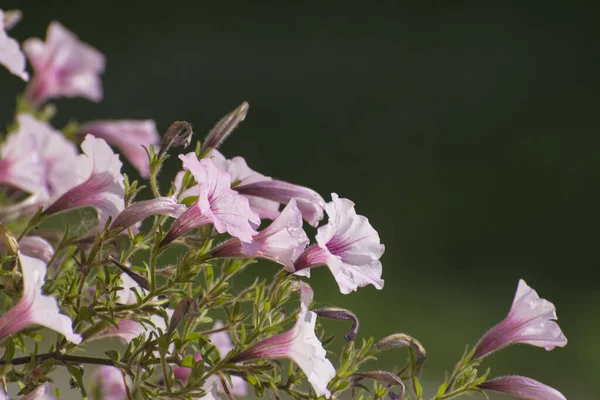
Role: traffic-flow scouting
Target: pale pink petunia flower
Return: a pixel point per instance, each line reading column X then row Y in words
column 217, row 204
column 531, row 320
column 42, row 392
column 11, row 19
column 99, row 182
column 36, row 308
column 111, row 383
column 37, row 247
column 129, row 136
column 11, row 55
column 299, row 344
column 64, row 66
column 139, row 211
column 348, row 245
column 282, row 241
column 523, row 388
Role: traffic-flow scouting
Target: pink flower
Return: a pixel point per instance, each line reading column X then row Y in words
column 99, row 182
column 11, row 55
column 531, row 320
column 35, row 308
column 522, row 387
column 129, row 136
column 141, row 210
column 222, row 342
column 11, row 18
column 241, row 174
column 217, row 204
column 64, row 66
column 38, row 159
column 299, row 344
column 40, row 393
column 281, row 242
column 348, row 245
column 110, row 381
column 36, row 247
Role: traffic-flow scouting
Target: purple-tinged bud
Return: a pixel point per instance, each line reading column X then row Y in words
column 11, row 18
column 340, row 314
column 183, row 309
column 310, row 203
column 225, row 126
column 37, row 247
column 141, row 210
column 384, row 377
column 401, row 340
column 179, row 134
column 522, row 387
column 531, row 320
column 138, row 278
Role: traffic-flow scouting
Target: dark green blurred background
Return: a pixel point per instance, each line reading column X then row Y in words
column 469, row 136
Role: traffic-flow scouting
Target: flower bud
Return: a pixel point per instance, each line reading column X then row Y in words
column 340, row 314
column 384, row 377
column 138, row 278
column 401, row 340
column 179, row 134
column 224, row 127
column 523, row 388
column 183, row 309
column 8, row 242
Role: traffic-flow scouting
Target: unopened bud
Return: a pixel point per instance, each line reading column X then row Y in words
column 401, row 340
column 224, row 127
column 8, row 242
column 138, row 278
column 384, row 377
column 183, row 309
column 179, row 134
column 340, row 314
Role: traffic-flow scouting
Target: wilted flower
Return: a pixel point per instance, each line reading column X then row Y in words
column 37, row 247
column 64, row 66
column 99, row 182
column 281, row 242
column 340, row 314
column 35, row 308
column 217, row 204
column 129, row 136
column 11, row 55
column 141, row 210
column 531, row 320
column 111, row 383
column 522, row 387
column 348, row 245
column 299, row 344
column 178, row 134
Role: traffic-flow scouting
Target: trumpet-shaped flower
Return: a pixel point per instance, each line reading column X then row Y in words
column 222, row 342
column 11, row 55
column 99, row 182
column 35, row 308
column 37, row 247
column 64, row 66
column 129, row 136
column 299, row 344
column 522, row 387
column 348, row 245
column 282, row 241
column 217, row 204
column 111, row 383
column 38, row 159
column 531, row 320
column 141, row 210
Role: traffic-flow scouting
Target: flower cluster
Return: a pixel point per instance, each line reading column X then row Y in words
column 97, row 266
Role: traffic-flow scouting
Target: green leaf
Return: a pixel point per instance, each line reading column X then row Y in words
column 418, row 388
column 113, row 355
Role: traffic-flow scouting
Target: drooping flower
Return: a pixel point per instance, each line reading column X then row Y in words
column 129, row 136
column 38, row 159
column 110, row 382
column 35, row 308
column 222, row 342
column 64, row 66
column 141, row 210
column 99, row 182
column 299, row 344
column 348, row 245
column 522, row 387
column 282, row 241
column 37, row 247
column 531, row 320
column 217, row 204
column 11, row 55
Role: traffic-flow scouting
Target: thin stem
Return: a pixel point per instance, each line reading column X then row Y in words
column 127, row 390
column 60, row 357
